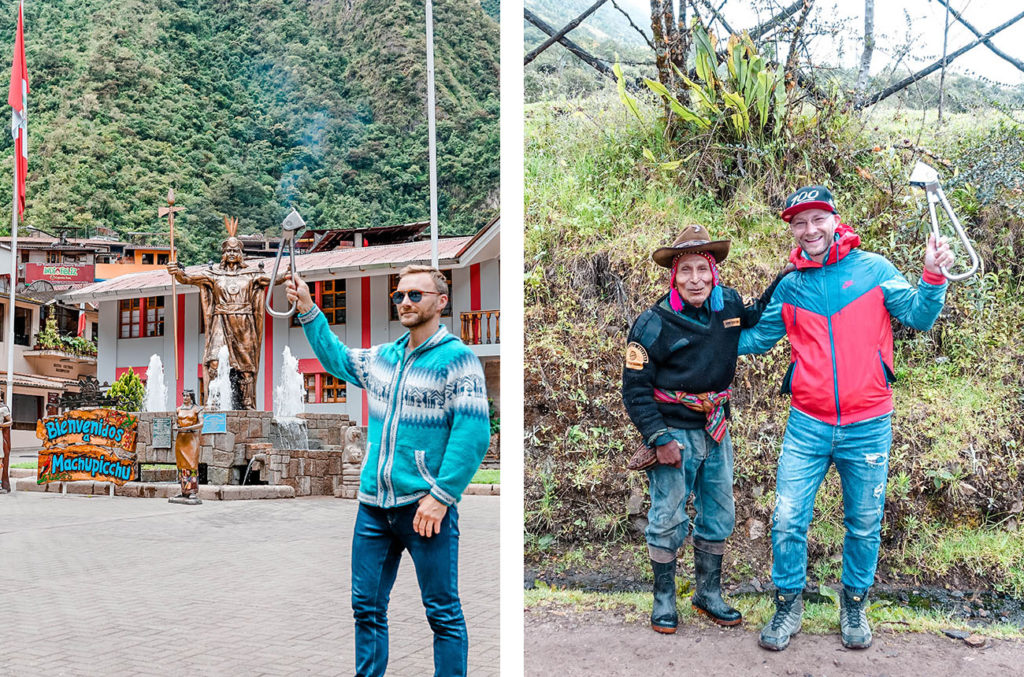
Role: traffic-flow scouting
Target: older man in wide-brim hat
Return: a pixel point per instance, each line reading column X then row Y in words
column 680, row 362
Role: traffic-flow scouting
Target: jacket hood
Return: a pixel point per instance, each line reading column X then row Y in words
column 845, row 240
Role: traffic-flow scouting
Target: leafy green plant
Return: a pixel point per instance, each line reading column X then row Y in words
column 492, row 414
column 129, row 389
column 747, row 103
column 51, row 339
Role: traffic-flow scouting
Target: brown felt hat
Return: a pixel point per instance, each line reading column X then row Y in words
column 692, row 240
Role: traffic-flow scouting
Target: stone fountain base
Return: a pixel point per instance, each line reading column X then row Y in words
column 330, row 466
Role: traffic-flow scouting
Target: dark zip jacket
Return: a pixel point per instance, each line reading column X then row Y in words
column 694, row 351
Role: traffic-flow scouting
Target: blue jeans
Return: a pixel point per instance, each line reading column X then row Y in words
column 706, row 472
column 860, row 452
column 377, row 544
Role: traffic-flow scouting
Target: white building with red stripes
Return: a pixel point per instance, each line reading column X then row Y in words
column 352, row 285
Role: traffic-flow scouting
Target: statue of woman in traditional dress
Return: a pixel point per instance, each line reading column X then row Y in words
column 189, row 421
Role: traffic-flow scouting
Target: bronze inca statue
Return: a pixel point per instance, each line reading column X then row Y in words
column 232, row 298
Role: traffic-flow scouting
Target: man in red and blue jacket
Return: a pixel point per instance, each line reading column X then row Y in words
column 836, row 312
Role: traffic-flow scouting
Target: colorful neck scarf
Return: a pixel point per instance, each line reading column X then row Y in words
column 715, row 300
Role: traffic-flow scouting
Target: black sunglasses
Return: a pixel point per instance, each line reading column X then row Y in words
column 415, row 296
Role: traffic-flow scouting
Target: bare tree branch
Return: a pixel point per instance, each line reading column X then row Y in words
column 635, row 27
column 794, row 45
column 942, row 75
column 988, row 43
column 757, row 31
column 578, row 51
column 565, row 29
column 714, row 13
column 924, row 72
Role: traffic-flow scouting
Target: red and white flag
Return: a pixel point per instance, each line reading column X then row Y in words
column 17, row 97
column 81, row 319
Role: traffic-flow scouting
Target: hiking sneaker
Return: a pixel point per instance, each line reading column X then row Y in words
column 789, row 613
column 853, row 619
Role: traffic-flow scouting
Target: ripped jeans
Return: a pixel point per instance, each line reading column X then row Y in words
column 860, row 452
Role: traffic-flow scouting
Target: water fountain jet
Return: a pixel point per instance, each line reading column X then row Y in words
column 156, row 390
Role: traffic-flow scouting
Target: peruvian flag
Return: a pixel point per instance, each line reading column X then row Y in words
column 17, row 96
column 81, row 320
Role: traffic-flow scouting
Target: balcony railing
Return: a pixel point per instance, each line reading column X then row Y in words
column 476, row 327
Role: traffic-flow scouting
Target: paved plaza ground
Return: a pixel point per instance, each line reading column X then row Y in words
column 128, row 586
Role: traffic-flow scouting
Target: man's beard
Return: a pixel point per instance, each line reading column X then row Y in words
column 416, row 318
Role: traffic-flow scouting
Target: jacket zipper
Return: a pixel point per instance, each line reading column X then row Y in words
column 392, row 424
column 383, row 473
column 831, row 339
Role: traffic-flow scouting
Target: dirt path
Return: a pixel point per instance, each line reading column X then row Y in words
column 561, row 644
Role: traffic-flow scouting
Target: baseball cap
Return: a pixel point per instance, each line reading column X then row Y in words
column 808, row 197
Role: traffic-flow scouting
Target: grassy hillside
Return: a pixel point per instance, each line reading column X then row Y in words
column 251, row 108
column 596, row 207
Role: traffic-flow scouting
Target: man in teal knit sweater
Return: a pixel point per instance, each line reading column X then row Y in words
column 427, row 434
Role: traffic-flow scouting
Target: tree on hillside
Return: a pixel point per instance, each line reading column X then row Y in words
column 250, row 108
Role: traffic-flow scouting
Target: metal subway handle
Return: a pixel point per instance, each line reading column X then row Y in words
column 927, row 178
column 290, row 227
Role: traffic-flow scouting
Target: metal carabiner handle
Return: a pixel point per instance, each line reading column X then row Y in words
column 273, row 276
column 292, row 224
column 935, row 194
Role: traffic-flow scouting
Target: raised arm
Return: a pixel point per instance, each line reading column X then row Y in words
column 349, row 364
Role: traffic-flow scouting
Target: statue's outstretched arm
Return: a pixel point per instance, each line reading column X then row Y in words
column 178, row 271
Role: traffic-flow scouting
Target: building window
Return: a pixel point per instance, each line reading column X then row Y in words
column 22, row 326
column 162, row 259
column 332, row 300
column 128, row 312
column 141, row 317
column 309, row 382
column 53, row 257
column 95, row 332
column 393, row 286
column 331, row 389
column 67, row 319
column 323, row 388
column 330, row 296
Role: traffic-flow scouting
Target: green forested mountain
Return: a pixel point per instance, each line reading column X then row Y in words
column 607, row 23
column 249, row 108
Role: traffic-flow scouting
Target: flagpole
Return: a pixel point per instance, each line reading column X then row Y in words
column 432, row 134
column 17, row 97
column 13, row 283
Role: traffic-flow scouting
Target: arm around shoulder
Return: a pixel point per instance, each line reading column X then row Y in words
column 769, row 327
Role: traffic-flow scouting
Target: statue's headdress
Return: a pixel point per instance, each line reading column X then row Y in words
column 232, row 225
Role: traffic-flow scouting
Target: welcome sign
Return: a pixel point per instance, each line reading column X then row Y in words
column 98, row 444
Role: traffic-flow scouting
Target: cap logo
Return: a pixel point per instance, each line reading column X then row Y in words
column 804, row 196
